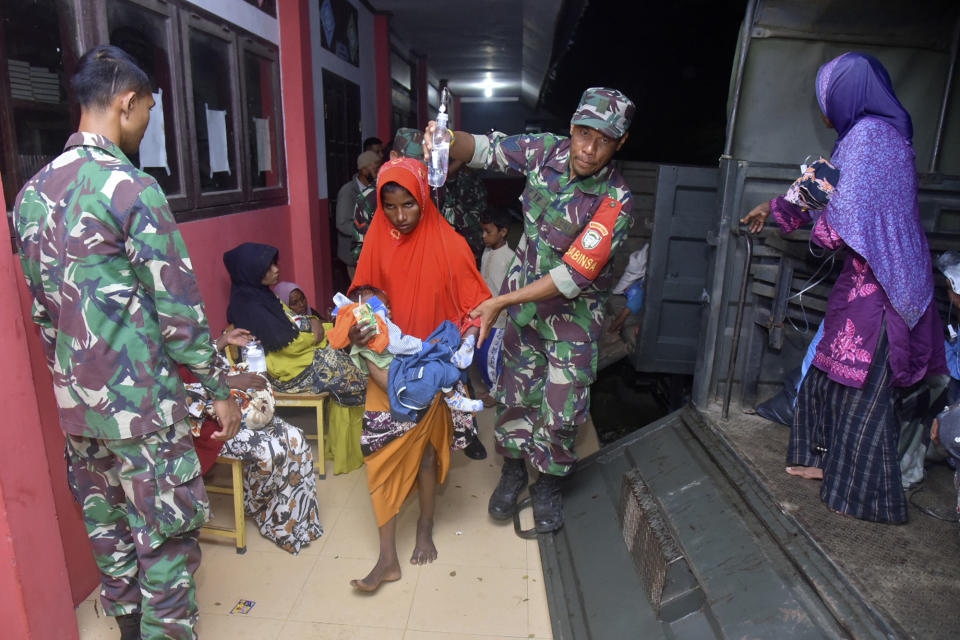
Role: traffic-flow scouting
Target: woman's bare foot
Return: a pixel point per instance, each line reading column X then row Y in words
column 424, row 552
column 810, row 473
column 382, row 572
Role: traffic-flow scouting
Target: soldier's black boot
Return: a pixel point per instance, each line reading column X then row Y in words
column 129, row 625
column 513, row 478
column 547, row 503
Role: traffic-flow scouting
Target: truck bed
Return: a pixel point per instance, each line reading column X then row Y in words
column 729, row 546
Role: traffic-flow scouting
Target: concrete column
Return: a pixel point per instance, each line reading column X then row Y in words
column 309, row 231
column 35, row 597
column 381, row 42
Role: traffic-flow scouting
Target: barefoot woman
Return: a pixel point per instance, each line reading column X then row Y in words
column 881, row 330
column 428, row 272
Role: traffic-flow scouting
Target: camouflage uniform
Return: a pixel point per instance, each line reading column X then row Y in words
column 118, row 306
column 364, row 208
column 549, row 347
column 465, row 200
column 407, row 143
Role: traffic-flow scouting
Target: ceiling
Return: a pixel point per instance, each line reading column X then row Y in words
column 498, row 47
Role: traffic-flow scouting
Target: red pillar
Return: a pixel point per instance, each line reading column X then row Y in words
column 308, row 233
column 381, row 49
column 421, row 88
column 35, row 599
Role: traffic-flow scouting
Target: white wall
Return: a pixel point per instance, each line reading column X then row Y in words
column 364, row 76
column 243, row 15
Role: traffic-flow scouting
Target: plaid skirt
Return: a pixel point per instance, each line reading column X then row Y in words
column 852, row 435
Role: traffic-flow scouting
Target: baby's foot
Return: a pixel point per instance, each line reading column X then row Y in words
column 464, row 355
column 459, row 402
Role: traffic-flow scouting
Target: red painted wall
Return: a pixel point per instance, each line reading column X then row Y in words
column 81, row 569
column 309, row 228
column 35, row 597
column 381, row 51
column 423, row 115
column 207, row 240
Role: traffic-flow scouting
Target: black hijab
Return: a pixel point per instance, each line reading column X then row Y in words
column 252, row 305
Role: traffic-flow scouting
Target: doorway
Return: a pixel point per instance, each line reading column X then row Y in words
column 343, row 129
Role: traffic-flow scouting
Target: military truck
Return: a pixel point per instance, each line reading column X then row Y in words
column 689, row 527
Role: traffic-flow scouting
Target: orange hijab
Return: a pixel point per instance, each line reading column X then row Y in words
column 429, row 274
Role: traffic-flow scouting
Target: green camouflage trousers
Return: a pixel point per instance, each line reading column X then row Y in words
column 143, row 501
column 543, row 395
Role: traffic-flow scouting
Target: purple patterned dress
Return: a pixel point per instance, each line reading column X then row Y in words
column 859, row 310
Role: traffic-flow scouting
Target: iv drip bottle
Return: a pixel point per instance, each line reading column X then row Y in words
column 440, row 155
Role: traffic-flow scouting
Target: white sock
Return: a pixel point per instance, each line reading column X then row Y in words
column 464, row 355
column 460, row 402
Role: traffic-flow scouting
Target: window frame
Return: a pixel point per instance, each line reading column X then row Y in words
column 256, row 194
column 184, row 145
column 216, row 29
column 192, row 203
column 92, row 28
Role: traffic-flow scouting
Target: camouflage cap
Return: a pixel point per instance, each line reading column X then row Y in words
column 606, row 110
column 407, row 142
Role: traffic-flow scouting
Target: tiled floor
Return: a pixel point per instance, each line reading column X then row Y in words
column 487, row 583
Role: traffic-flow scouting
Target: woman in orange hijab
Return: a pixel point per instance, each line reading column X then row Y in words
column 429, row 274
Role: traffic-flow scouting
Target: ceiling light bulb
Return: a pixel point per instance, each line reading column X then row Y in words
column 488, row 92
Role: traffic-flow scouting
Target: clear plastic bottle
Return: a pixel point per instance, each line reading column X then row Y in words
column 255, row 357
column 440, row 155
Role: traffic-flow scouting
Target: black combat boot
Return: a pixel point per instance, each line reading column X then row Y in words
column 547, row 503
column 475, row 450
column 513, row 478
column 129, row 626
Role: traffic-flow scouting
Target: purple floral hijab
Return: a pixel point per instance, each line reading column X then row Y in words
column 874, row 208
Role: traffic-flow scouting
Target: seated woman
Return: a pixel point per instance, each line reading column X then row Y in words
column 342, row 444
column 429, row 273
column 298, row 359
column 279, row 488
column 294, row 297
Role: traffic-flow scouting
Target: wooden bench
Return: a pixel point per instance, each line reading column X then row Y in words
column 239, row 530
column 318, row 401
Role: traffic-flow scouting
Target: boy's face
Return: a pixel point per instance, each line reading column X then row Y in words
column 493, row 236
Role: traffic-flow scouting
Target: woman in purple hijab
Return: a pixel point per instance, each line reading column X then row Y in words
column 292, row 296
column 881, row 330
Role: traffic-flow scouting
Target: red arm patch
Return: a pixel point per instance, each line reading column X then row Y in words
column 590, row 252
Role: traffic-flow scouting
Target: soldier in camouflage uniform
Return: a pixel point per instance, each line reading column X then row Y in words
column 118, row 307
column 464, row 201
column 406, row 144
column 576, row 213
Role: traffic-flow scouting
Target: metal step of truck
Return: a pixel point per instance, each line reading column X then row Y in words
column 669, row 535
